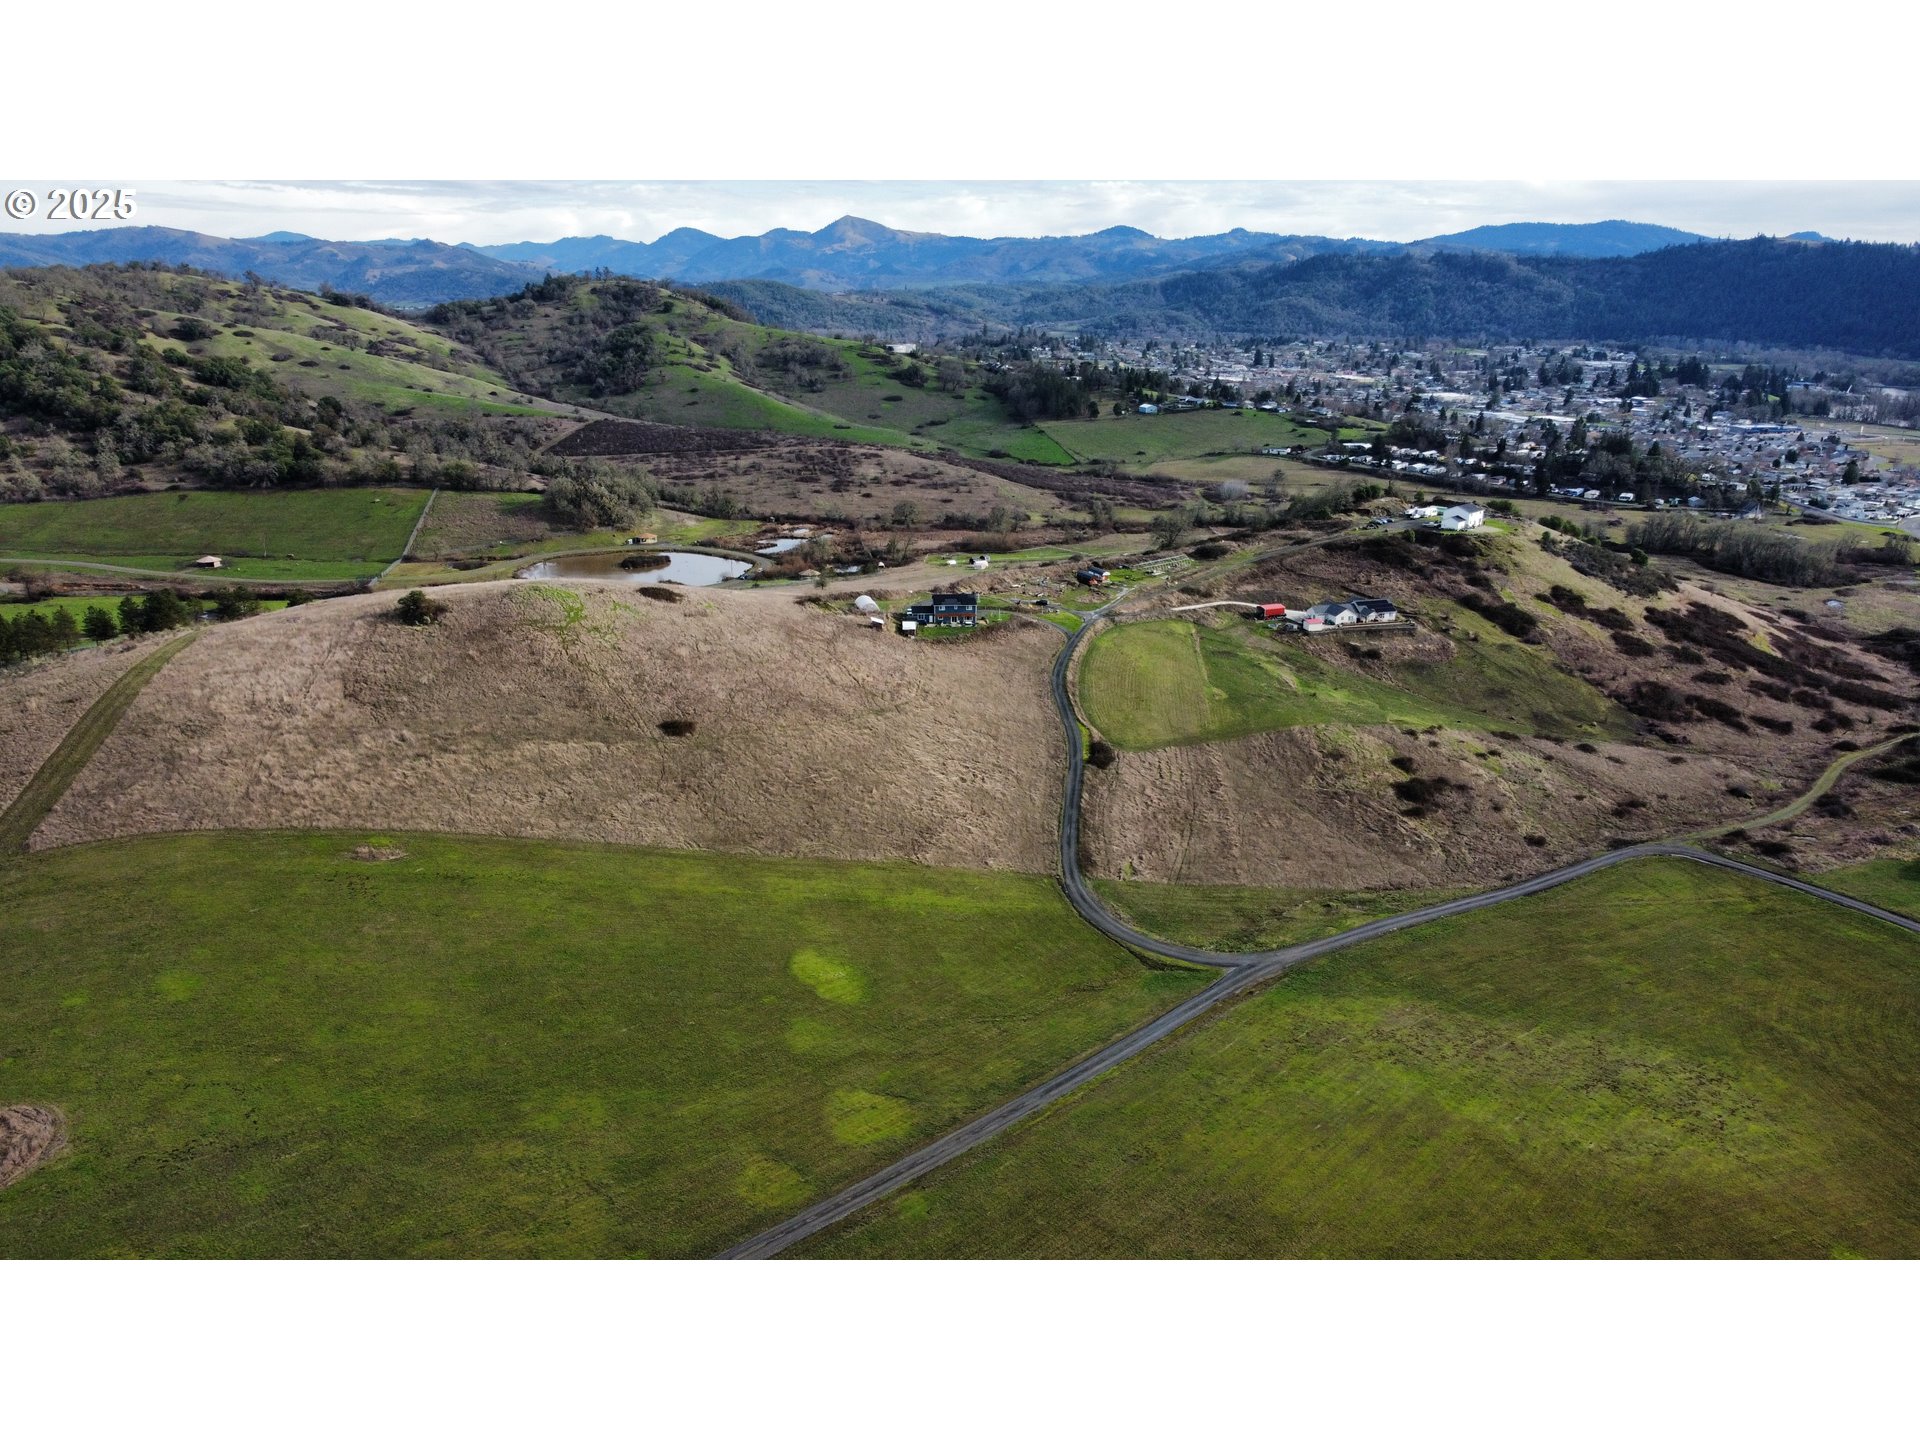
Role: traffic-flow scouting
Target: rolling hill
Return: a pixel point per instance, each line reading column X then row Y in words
column 1861, row 298
column 394, row 272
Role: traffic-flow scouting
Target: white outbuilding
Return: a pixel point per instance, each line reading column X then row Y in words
column 866, row 605
column 1463, row 517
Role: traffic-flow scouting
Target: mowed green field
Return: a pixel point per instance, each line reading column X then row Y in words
column 1150, row 439
column 281, row 534
column 1172, row 682
column 265, row 1047
column 1659, row 1060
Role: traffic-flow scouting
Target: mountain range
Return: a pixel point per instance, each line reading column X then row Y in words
column 851, row 254
column 395, row 272
column 856, row 254
column 1611, row 280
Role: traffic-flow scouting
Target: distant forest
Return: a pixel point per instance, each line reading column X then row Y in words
column 1860, row 298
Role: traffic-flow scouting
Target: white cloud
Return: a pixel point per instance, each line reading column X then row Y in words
column 490, row 212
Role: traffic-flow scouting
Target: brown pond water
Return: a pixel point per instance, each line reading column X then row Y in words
column 681, row 567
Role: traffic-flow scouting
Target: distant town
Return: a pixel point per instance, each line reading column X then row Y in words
column 1593, row 424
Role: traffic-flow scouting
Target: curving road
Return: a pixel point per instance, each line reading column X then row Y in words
column 1242, row 972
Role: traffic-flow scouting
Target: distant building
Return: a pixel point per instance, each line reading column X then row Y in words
column 1463, row 517
column 210, row 562
column 1149, row 409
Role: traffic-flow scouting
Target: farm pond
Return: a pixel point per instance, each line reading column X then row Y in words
column 640, row 568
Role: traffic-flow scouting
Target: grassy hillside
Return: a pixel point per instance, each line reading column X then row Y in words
column 267, row 1047
column 303, row 341
column 289, row 535
column 1171, row 682
column 1892, row 884
column 1661, row 1060
column 637, row 349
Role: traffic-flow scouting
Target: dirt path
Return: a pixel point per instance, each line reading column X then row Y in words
column 20, row 819
column 1828, row 779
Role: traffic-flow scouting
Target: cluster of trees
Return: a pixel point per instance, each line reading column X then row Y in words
column 40, row 632
column 1737, row 549
column 605, row 348
column 1040, row 392
column 48, row 632
column 50, row 382
column 598, row 499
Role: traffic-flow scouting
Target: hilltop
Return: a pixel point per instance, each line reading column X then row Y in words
column 1600, row 239
column 691, row 358
column 535, row 710
column 124, row 379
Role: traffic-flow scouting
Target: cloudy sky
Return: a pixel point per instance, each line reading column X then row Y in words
column 486, row 212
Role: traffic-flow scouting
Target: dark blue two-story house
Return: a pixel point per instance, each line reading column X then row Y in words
column 962, row 608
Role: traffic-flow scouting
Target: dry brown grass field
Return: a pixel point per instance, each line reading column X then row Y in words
column 536, row 710
column 40, row 702
column 798, row 479
column 1315, row 807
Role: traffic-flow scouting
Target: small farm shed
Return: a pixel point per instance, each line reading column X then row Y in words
column 210, row 562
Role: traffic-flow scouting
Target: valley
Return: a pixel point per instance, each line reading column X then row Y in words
column 776, row 902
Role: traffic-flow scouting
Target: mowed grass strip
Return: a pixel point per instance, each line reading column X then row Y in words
column 1145, row 683
column 354, row 531
column 20, row 819
column 1658, row 1060
column 1172, row 682
column 266, row 1047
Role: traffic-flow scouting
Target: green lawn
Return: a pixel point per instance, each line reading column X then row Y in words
column 75, row 605
column 1170, row 682
column 509, row 1048
column 1254, row 917
column 283, row 534
column 1660, row 1060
